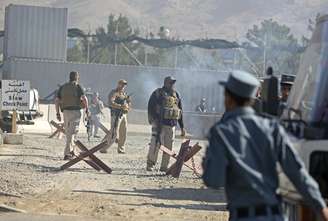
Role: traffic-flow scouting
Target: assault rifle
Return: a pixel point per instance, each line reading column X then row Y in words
column 118, row 114
column 88, row 125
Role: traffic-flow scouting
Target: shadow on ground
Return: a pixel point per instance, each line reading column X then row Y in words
column 204, row 207
column 31, row 155
column 184, row 194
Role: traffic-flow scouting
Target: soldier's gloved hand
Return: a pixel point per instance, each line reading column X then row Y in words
column 183, row 132
column 58, row 117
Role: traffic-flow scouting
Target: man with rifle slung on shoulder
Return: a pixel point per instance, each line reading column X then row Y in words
column 164, row 113
column 119, row 103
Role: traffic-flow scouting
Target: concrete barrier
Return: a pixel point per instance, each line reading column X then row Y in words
column 10, row 138
column 196, row 124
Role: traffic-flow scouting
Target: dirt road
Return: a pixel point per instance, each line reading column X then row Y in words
column 30, row 173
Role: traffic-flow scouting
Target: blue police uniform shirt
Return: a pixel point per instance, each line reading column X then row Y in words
column 242, row 156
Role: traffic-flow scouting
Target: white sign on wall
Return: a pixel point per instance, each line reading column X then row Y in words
column 15, row 95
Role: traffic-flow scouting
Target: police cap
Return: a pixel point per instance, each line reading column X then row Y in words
column 242, row 84
column 287, row 79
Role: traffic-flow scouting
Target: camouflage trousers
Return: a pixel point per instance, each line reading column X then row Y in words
column 166, row 138
column 72, row 120
column 118, row 132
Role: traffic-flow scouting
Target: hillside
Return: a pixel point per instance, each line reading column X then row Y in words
column 187, row 18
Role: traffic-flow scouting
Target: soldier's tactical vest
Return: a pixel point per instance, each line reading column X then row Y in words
column 169, row 108
column 70, row 99
column 120, row 99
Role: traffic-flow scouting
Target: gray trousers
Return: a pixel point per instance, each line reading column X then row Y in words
column 71, row 124
column 261, row 218
column 269, row 217
column 167, row 136
column 95, row 122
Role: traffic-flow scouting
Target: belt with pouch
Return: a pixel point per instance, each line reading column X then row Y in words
column 258, row 210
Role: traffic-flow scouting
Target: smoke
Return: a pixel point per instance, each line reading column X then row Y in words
column 194, row 82
column 192, row 85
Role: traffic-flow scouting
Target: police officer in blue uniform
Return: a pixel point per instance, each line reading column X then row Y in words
column 286, row 85
column 243, row 151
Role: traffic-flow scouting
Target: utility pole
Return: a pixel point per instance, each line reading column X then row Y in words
column 264, row 53
column 115, row 53
column 234, row 50
column 234, row 59
column 134, row 57
column 146, row 57
column 176, row 57
column 88, row 51
column 88, row 44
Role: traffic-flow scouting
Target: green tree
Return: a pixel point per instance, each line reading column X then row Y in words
column 105, row 50
column 75, row 54
column 163, row 57
column 277, row 47
column 311, row 26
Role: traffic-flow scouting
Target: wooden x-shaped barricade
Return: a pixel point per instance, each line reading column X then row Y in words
column 88, row 156
column 109, row 137
column 59, row 129
column 106, row 131
column 185, row 157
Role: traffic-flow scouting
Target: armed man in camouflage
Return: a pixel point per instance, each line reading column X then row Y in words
column 164, row 113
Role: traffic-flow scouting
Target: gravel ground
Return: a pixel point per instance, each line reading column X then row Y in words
column 30, row 173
